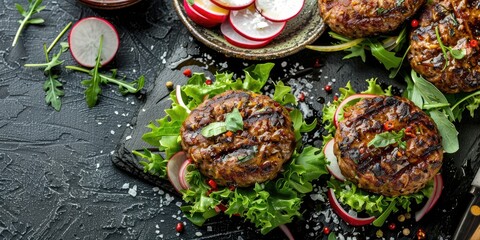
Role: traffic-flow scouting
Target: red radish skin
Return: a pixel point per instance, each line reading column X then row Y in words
column 238, row 40
column 432, row 200
column 197, row 17
column 279, row 10
column 287, row 232
column 340, row 107
column 210, row 10
column 173, row 168
column 341, row 212
column 332, row 166
column 84, row 39
column 250, row 24
column 233, row 4
column 182, row 173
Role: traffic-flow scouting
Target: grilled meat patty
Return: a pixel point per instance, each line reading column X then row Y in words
column 458, row 22
column 363, row 18
column 390, row 170
column 251, row 156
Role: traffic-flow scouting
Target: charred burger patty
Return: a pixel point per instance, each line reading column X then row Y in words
column 458, row 24
column 253, row 155
column 392, row 170
column 362, row 18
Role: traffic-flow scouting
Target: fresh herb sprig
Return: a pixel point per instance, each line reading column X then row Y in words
column 456, row 53
column 33, row 8
column 52, row 86
column 388, row 138
column 233, row 122
column 93, row 84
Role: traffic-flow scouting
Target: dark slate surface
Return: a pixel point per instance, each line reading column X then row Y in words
column 57, row 179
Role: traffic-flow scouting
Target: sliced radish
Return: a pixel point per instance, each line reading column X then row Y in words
column 233, row 4
column 287, row 232
column 332, row 166
column 279, row 10
column 238, row 40
column 210, row 10
column 432, row 200
column 197, row 17
column 250, row 24
column 84, row 40
column 178, row 94
column 173, row 168
column 340, row 107
column 346, row 216
column 182, row 173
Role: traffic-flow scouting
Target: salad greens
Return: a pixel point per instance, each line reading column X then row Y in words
column 52, row 86
column 455, row 53
column 267, row 205
column 33, row 8
column 93, row 84
column 233, row 122
column 347, row 192
column 388, row 138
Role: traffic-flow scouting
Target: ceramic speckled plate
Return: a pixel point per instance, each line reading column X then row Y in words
column 300, row 31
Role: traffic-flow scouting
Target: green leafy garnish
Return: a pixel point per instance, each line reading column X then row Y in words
column 456, row 53
column 267, row 205
column 388, row 138
column 93, row 84
column 233, row 122
column 156, row 164
column 52, row 86
column 33, row 8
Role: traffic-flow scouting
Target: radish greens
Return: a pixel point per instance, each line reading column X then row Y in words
column 33, row 8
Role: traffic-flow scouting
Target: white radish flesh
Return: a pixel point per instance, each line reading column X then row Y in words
column 279, row 10
column 339, row 111
column 233, row 4
column 173, row 168
column 250, row 24
column 84, row 40
column 210, row 10
column 234, row 38
column 332, row 166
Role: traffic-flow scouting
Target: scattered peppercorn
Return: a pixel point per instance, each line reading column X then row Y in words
column 408, row 215
column 473, row 43
column 301, row 97
column 335, row 98
column 179, row 227
column 232, row 188
column 169, row 85
column 379, row 233
column 187, row 72
column 401, row 218
column 212, row 184
column 421, row 234
column 326, row 230
column 392, row 226
column 317, row 63
column 208, row 81
column 414, row 23
column 328, row 88
column 406, row 231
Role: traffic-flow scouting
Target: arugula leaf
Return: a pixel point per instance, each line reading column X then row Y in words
column 33, row 8
column 388, row 138
column 456, row 53
column 387, row 58
column 53, row 87
column 233, row 122
column 447, row 130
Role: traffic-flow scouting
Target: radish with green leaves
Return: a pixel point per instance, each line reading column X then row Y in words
column 85, row 37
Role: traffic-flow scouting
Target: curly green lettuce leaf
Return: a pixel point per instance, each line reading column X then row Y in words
column 155, row 164
column 283, row 94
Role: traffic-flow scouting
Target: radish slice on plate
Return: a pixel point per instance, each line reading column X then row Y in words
column 287, row 232
column 173, row 168
column 84, row 40
column 332, row 166
column 210, row 10
column 182, row 173
column 250, row 24
column 279, row 10
column 233, row 4
column 234, row 38
column 339, row 111
column 197, row 17
column 346, row 216
column 432, row 200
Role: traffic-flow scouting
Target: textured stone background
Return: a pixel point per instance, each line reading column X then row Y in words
column 57, row 180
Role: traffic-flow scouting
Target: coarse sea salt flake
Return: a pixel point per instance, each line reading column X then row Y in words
column 126, row 186
column 198, row 234
column 128, row 137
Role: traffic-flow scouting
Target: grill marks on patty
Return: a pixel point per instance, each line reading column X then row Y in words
column 362, row 18
column 390, row 170
column 253, row 155
column 458, row 22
